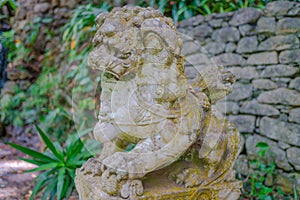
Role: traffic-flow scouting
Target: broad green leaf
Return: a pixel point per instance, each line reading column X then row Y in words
column 279, row 190
column 262, row 145
column 32, row 153
column 70, row 189
column 33, row 161
column 49, row 189
column 71, row 172
column 258, row 185
column 36, row 188
column 265, row 190
column 60, row 183
column 66, row 185
column 76, row 148
column 75, row 163
column 44, row 167
column 49, row 144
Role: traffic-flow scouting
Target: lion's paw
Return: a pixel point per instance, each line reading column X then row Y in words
column 93, row 167
column 132, row 188
column 188, row 178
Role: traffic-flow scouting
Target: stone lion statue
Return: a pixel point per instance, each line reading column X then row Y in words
column 152, row 125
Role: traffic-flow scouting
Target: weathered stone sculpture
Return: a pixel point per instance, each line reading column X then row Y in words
column 161, row 140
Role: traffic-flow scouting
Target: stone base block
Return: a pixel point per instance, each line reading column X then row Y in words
column 158, row 187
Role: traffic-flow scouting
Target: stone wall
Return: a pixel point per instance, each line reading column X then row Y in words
column 262, row 49
column 37, row 25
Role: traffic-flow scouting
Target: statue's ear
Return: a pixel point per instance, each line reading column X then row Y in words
column 100, row 19
column 152, row 41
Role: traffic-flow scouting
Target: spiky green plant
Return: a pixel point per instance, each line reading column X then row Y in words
column 56, row 164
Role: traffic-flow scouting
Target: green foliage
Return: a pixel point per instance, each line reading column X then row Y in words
column 82, row 24
column 179, row 10
column 57, row 165
column 12, row 3
column 9, row 108
column 11, row 6
column 261, row 186
column 16, row 49
column 49, row 99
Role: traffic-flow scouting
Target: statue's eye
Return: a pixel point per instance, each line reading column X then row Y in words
column 124, row 55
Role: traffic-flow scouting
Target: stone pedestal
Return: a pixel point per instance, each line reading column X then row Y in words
column 157, row 186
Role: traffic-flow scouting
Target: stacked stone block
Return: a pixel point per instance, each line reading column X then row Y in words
column 261, row 47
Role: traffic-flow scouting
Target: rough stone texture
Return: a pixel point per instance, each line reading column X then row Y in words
column 241, row 165
column 247, row 30
column 247, row 45
column 214, row 48
column 280, row 42
column 279, row 71
column 216, row 23
column 294, row 115
column 190, row 47
column 193, row 21
column 290, row 56
column 278, row 8
column 244, row 16
column 288, row 25
column 293, row 157
column 266, row 25
column 263, row 58
column 281, row 160
column 245, row 123
column 264, row 84
column 283, row 145
column 199, row 58
column 280, row 131
column 244, row 72
column 202, row 31
column 255, row 108
column 294, row 11
column 42, row 7
column 280, row 96
column 227, row 107
column 287, row 183
column 295, row 83
column 229, row 34
column 240, row 92
column 228, row 59
column 230, row 47
column 190, row 72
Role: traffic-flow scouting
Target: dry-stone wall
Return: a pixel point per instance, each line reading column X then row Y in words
column 262, row 49
column 37, row 24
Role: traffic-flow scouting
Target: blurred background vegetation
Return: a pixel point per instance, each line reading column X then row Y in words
column 60, row 96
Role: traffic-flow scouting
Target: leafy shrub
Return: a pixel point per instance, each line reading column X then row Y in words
column 57, row 165
column 11, row 3
column 49, row 99
column 260, row 183
column 179, row 10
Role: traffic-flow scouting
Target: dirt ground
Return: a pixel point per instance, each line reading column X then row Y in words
column 14, row 183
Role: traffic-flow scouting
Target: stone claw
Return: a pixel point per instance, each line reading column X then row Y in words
column 93, row 167
column 188, row 178
column 109, row 182
column 132, row 188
